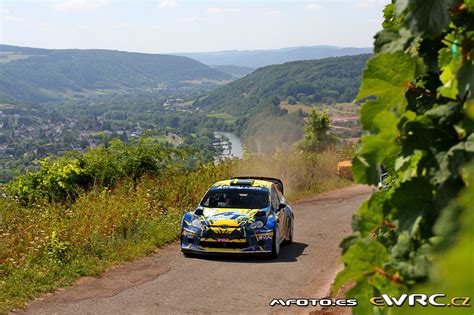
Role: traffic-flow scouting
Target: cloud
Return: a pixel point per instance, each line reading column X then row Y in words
column 313, row 6
column 189, row 19
column 167, row 4
column 369, row 4
column 222, row 10
column 122, row 25
column 273, row 13
column 6, row 16
column 44, row 27
column 80, row 28
column 80, row 5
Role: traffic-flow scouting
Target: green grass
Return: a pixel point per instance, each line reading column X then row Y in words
column 228, row 119
column 339, row 109
column 171, row 138
column 8, row 57
column 41, row 275
column 298, row 106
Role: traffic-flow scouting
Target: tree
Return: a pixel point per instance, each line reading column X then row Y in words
column 291, row 100
column 275, row 100
column 317, row 133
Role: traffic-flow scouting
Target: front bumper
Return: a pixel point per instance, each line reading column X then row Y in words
column 217, row 240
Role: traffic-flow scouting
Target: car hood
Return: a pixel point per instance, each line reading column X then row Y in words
column 230, row 217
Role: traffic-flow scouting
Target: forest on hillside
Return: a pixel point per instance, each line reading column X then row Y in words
column 32, row 75
column 325, row 81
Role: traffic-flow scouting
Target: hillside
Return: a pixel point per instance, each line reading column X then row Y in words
column 329, row 80
column 42, row 75
column 259, row 58
column 234, row 71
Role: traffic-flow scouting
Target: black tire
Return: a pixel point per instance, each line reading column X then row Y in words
column 290, row 236
column 188, row 255
column 290, row 239
column 275, row 245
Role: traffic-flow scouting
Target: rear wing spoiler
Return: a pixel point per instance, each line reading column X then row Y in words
column 276, row 181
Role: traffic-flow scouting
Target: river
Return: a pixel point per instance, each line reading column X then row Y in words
column 236, row 145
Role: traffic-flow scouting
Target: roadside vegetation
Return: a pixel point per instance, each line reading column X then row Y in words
column 416, row 235
column 84, row 212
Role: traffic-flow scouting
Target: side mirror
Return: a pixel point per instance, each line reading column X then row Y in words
column 199, row 211
column 281, row 206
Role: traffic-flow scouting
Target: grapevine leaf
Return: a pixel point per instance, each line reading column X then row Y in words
column 363, row 292
column 403, row 246
column 417, row 265
column 402, row 42
column 447, row 226
column 448, row 114
column 465, row 78
column 401, row 6
column 361, row 259
column 386, row 77
column 385, row 285
column 348, row 241
column 376, row 150
column 384, row 37
column 370, row 214
column 368, row 111
column 450, row 162
column 452, row 270
column 448, row 223
column 422, row 134
column 406, row 166
column 449, row 68
column 414, row 200
column 427, row 17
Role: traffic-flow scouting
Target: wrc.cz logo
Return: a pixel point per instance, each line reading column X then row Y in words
column 420, row 299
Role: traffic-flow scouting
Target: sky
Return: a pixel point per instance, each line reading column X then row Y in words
column 167, row 26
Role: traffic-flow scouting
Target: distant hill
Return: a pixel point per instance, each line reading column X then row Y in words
column 40, row 75
column 326, row 81
column 259, row 58
column 234, row 71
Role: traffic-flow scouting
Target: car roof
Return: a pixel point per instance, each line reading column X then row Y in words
column 244, row 183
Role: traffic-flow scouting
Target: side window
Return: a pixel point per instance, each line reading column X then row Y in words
column 274, row 197
column 280, row 196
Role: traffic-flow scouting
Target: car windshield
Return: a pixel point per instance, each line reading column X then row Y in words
column 236, row 198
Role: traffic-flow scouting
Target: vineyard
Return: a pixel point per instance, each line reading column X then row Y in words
column 418, row 120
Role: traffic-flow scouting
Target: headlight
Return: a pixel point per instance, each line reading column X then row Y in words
column 256, row 225
column 197, row 223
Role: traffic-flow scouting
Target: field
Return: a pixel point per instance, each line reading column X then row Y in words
column 8, row 56
column 228, row 119
column 344, row 117
column 298, row 106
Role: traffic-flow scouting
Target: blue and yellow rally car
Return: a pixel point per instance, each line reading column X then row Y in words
column 244, row 215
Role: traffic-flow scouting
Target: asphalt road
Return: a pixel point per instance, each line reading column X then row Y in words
column 169, row 283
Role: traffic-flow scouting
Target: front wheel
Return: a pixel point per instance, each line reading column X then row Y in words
column 275, row 245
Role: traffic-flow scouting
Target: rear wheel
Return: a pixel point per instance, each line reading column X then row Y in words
column 290, row 236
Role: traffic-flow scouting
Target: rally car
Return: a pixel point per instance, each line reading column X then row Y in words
column 243, row 215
